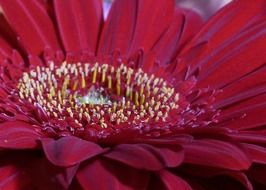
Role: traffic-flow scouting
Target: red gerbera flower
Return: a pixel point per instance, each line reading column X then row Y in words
column 134, row 102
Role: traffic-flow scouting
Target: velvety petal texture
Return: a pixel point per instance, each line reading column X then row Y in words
column 79, row 24
column 151, row 97
column 69, row 151
column 32, row 24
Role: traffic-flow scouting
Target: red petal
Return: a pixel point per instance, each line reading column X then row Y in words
column 12, row 178
column 216, row 153
column 245, row 111
column 244, row 99
column 133, row 25
column 119, row 28
column 229, row 21
column 7, row 33
column 68, row 151
column 32, row 24
column 235, row 40
column 18, row 135
column 249, row 82
column 5, row 49
column 257, row 153
column 154, row 16
column 116, row 177
column 44, row 175
column 184, row 25
column 252, row 137
column 172, row 181
column 144, row 156
column 79, row 23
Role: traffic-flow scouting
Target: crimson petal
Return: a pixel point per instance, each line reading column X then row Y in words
column 147, row 27
column 32, row 24
column 184, row 25
column 216, row 153
column 5, row 49
column 257, row 153
column 12, row 177
column 231, row 47
column 44, row 175
column 172, row 181
column 79, row 22
column 18, row 135
column 117, row 32
column 68, row 151
column 97, row 175
column 144, row 156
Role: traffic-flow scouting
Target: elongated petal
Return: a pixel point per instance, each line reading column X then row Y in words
column 68, row 151
column 5, row 49
column 79, row 24
column 12, row 178
column 32, row 171
column 32, row 24
column 257, row 153
column 45, row 175
column 252, row 137
column 111, row 176
column 216, row 153
column 184, row 25
column 234, row 39
column 18, row 135
column 245, row 113
column 143, row 156
column 140, row 25
column 117, row 32
column 172, row 181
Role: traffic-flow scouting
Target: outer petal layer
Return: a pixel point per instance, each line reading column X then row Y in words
column 143, row 156
column 68, row 151
column 32, row 24
column 79, row 24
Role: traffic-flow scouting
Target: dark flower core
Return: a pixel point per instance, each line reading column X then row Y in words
column 98, row 95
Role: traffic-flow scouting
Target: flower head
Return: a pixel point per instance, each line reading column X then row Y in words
column 149, row 98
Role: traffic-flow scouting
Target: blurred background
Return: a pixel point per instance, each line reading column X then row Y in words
column 205, row 8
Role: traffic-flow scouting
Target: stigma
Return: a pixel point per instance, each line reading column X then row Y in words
column 98, row 95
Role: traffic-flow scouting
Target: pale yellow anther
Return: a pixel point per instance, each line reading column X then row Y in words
column 103, row 75
column 59, row 108
column 69, row 110
column 52, row 91
column 58, row 90
column 87, row 116
column 114, row 106
column 83, row 81
column 155, row 90
column 118, row 88
column 136, row 99
column 59, row 96
column 155, row 82
column 55, row 114
column 142, row 100
column 109, row 81
column 94, row 75
column 127, row 91
column 176, row 97
column 157, row 106
column 75, row 86
column 112, row 69
column 152, row 102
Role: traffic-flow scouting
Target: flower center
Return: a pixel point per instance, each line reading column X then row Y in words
column 98, row 95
